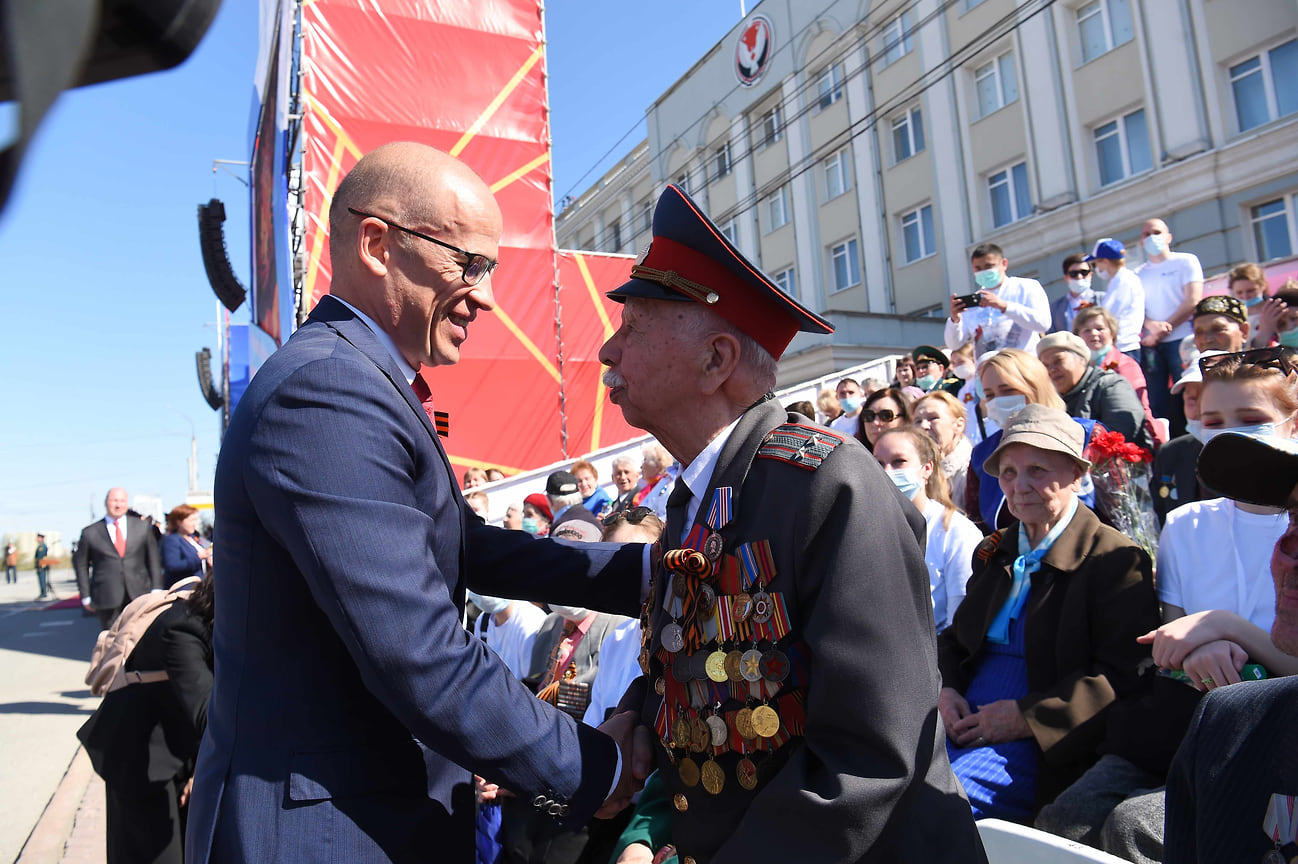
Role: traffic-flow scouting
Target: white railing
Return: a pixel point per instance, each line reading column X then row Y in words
column 512, row 490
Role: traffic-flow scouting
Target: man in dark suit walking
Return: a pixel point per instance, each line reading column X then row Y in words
column 116, row 560
column 789, row 649
column 349, row 707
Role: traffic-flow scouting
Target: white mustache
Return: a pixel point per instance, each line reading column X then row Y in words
column 612, row 380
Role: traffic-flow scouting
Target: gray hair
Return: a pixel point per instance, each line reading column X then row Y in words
column 624, row 461
column 559, row 502
column 703, row 322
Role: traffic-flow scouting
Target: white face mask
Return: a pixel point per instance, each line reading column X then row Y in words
column 1254, row 430
column 570, row 613
column 489, row 605
column 1079, row 286
column 1155, row 244
column 964, row 371
column 1002, row 408
column 1195, row 428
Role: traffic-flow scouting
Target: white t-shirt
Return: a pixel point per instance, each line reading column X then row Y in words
column 949, row 556
column 1165, row 283
column 846, row 425
column 1125, row 298
column 512, row 641
column 619, row 665
column 1212, row 555
column 1026, row 317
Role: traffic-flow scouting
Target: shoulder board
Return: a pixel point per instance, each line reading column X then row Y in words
column 804, row 446
column 984, row 551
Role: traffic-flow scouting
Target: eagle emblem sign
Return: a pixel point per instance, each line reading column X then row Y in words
column 753, row 51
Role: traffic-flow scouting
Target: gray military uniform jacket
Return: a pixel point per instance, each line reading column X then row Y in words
column 863, row 775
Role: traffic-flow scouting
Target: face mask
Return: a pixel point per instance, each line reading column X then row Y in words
column 489, row 605
column 849, row 404
column 905, row 479
column 570, row 613
column 1002, row 408
column 1195, row 428
column 1098, row 354
column 964, row 371
column 988, row 278
column 530, row 525
column 1155, row 245
column 1077, row 286
column 1250, row 303
column 926, row 382
column 1256, row 430
column 1289, row 338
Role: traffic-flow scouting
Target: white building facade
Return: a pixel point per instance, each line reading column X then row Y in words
column 881, row 142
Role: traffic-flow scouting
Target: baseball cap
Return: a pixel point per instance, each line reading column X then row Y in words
column 560, row 483
column 1108, row 249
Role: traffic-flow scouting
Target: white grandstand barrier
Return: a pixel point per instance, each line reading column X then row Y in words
column 512, row 490
column 1010, row 843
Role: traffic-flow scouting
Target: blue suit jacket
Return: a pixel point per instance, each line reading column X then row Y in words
column 349, row 706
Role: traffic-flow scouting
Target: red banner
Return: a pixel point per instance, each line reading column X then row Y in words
column 469, row 78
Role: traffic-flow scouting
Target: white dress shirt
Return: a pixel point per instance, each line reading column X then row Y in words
column 698, row 474
column 385, row 340
column 115, row 525
column 1026, row 317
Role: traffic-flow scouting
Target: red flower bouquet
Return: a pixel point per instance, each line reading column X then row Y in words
column 1120, row 470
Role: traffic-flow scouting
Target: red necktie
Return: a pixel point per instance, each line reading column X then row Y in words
column 120, row 542
column 440, row 419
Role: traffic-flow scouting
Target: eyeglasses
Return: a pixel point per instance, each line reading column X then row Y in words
column 883, row 415
column 1278, row 357
column 1080, row 272
column 478, row 266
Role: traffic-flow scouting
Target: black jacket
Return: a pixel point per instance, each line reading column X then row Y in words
column 1109, row 398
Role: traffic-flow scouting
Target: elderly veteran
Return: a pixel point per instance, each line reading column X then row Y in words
column 1045, row 639
column 1220, row 324
column 792, row 567
column 932, row 371
column 1091, row 393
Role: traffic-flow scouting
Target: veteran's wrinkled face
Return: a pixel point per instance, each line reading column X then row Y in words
column 653, row 363
column 1219, row 333
column 1038, row 484
column 625, row 477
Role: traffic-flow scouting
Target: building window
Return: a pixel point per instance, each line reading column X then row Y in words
column 969, row 4
column 1102, row 26
column 907, row 134
column 829, row 86
column 917, row 233
column 786, row 282
column 1271, row 230
column 614, row 235
column 646, row 208
column 847, row 265
column 897, row 38
column 996, row 84
column 777, row 209
column 683, row 180
column 772, row 128
column 1122, row 148
column 721, row 161
column 588, row 243
column 1266, row 86
column 1008, row 190
column 730, row 228
column 838, row 174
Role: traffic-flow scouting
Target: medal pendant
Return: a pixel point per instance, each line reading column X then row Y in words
column 717, row 728
column 680, row 802
column 681, row 669
column 744, row 723
column 689, row 772
column 750, row 665
column 680, row 584
column 712, row 547
column 716, row 666
column 707, row 599
column 1273, row 856
column 775, row 666
column 741, row 606
column 765, row 721
column 660, row 686
column 746, row 774
column 763, row 608
column 681, row 733
column 734, row 665
column 673, row 637
column 714, row 779
column 700, row 737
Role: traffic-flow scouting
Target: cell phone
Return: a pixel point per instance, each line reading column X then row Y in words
column 970, row 300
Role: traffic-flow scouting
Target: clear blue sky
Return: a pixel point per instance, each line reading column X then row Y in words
column 105, row 298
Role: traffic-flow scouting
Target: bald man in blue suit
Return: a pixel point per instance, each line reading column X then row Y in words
column 349, row 707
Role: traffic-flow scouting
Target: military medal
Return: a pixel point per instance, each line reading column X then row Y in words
column 762, row 607
column 775, row 666
column 660, row 686
column 718, row 730
column 1273, row 856
column 707, row 600
column 765, row 721
column 673, row 637
column 746, row 774
column 714, row 779
column 689, row 771
column 1281, row 825
column 700, row 736
column 716, row 667
column 680, row 802
column 734, row 664
column 712, row 547
column 751, row 666
column 741, row 606
column 744, row 723
column 681, row 732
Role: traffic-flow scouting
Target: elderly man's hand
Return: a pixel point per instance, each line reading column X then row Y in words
column 1215, row 665
column 993, row 723
column 953, row 707
column 637, row 760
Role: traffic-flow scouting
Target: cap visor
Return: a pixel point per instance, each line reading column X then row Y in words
column 646, row 289
column 1249, row 469
column 1032, row 438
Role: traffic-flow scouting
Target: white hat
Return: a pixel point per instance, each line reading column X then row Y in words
column 1192, row 374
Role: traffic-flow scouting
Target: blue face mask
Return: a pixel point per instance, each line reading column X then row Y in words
column 905, row 479
column 1098, row 354
column 1253, row 301
column 989, row 278
column 531, row 525
column 926, row 382
column 849, row 404
column 1289, row 338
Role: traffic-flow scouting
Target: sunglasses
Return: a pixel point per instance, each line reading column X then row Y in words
column 631, row 516
column 1278, row 357
column 1080, row 272
column 883, row 415
column 478, row 266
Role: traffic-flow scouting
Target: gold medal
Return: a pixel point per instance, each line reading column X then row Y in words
column 644, row 661
column 716, row 667
column 746, row 774
column 765, row 721
column 689, row 771
column 700, row 736
column 680, row 802
column 681, row 733
column 660, row 686
column 714, row 779
column 744, row 723
column 733, row 666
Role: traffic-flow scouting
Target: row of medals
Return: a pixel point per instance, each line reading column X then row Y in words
column 696, row 733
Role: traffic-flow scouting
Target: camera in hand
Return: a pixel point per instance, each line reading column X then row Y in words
column 970, row 300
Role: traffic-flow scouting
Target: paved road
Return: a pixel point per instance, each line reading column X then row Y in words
column 43, row 700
